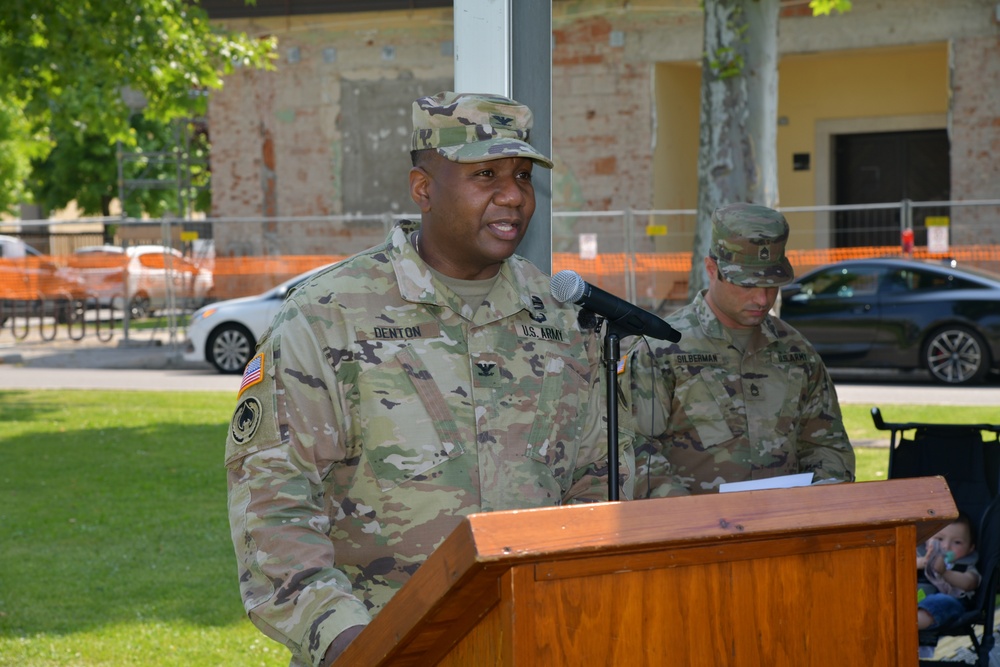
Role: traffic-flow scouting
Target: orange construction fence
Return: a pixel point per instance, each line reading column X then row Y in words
column 659, row 275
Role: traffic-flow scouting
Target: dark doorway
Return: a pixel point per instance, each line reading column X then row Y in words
column 888, row 167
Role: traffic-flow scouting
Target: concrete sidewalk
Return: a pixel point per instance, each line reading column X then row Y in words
column 151, row 352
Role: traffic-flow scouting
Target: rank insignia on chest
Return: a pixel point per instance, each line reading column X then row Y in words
column 487, row 373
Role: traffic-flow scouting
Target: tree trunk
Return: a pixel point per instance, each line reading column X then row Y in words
column 762, row 87
column 739, row 92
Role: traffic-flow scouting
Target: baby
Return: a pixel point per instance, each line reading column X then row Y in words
column 946, row 574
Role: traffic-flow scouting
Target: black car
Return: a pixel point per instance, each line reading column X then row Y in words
column 901, row 314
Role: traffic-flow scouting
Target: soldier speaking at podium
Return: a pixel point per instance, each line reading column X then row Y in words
column 415, row 383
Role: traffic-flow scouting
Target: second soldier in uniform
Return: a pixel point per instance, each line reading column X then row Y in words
column 742, row 395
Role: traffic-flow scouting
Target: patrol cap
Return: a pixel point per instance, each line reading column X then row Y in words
column 474, row 127
column 748, row 244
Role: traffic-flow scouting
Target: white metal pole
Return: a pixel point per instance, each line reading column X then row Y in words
column 505, row 47
column 482, row 46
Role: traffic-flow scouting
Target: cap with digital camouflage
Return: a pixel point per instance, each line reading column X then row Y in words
column 748, row 244
column 474, row 127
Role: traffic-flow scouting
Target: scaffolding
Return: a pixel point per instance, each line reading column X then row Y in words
column 180, row 161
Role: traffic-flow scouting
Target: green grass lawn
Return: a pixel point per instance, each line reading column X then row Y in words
column 114, row 541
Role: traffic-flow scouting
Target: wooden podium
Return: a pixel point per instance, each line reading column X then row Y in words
column 821, row 575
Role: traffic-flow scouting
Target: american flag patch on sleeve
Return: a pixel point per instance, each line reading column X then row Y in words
column 253, row 374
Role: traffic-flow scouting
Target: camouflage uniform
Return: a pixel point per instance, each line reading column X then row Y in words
column 386, row 410
column 706, row 413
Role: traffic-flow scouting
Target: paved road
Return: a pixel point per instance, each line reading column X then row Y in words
column 878, row 389
column 153, row 365
column 157, row 371
column 179, row 379
column 157, row 365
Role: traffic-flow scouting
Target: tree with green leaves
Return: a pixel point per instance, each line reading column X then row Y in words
column 20, row 143
column 739, row 112
column 75, row 74
column 83, row 168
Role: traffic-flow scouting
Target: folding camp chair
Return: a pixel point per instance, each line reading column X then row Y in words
column 968, row 457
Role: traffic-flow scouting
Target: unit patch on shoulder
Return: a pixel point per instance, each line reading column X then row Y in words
column 246, row 419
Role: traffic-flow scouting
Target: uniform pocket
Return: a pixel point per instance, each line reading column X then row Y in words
column 788, row 404
column 700, row 395
column 558, row 425
column 407, row 425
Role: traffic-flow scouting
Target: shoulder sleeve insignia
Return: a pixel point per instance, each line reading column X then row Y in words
column 246, row 419
column 253, row 373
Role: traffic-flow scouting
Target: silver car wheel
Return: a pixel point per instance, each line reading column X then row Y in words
column 230, row 348
column 956, row 356
column 140, row 307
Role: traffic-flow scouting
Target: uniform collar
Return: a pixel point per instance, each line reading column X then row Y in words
column 713, row 328
column 417, row 283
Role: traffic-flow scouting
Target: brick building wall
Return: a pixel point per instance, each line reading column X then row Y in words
column 602, row 120
column 327, row 132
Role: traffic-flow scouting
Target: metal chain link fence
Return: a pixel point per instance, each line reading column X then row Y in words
column 104, row 280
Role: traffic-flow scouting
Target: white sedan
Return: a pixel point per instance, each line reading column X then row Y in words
column 225, row 333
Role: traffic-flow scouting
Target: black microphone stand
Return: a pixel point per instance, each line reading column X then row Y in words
column 612, row 350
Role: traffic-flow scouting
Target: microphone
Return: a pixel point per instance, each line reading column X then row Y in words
column 569, row 286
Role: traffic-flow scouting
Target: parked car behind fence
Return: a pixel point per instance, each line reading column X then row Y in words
column 225, row 333
column 33, row 286
column 900, row 314
column 154, row 276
